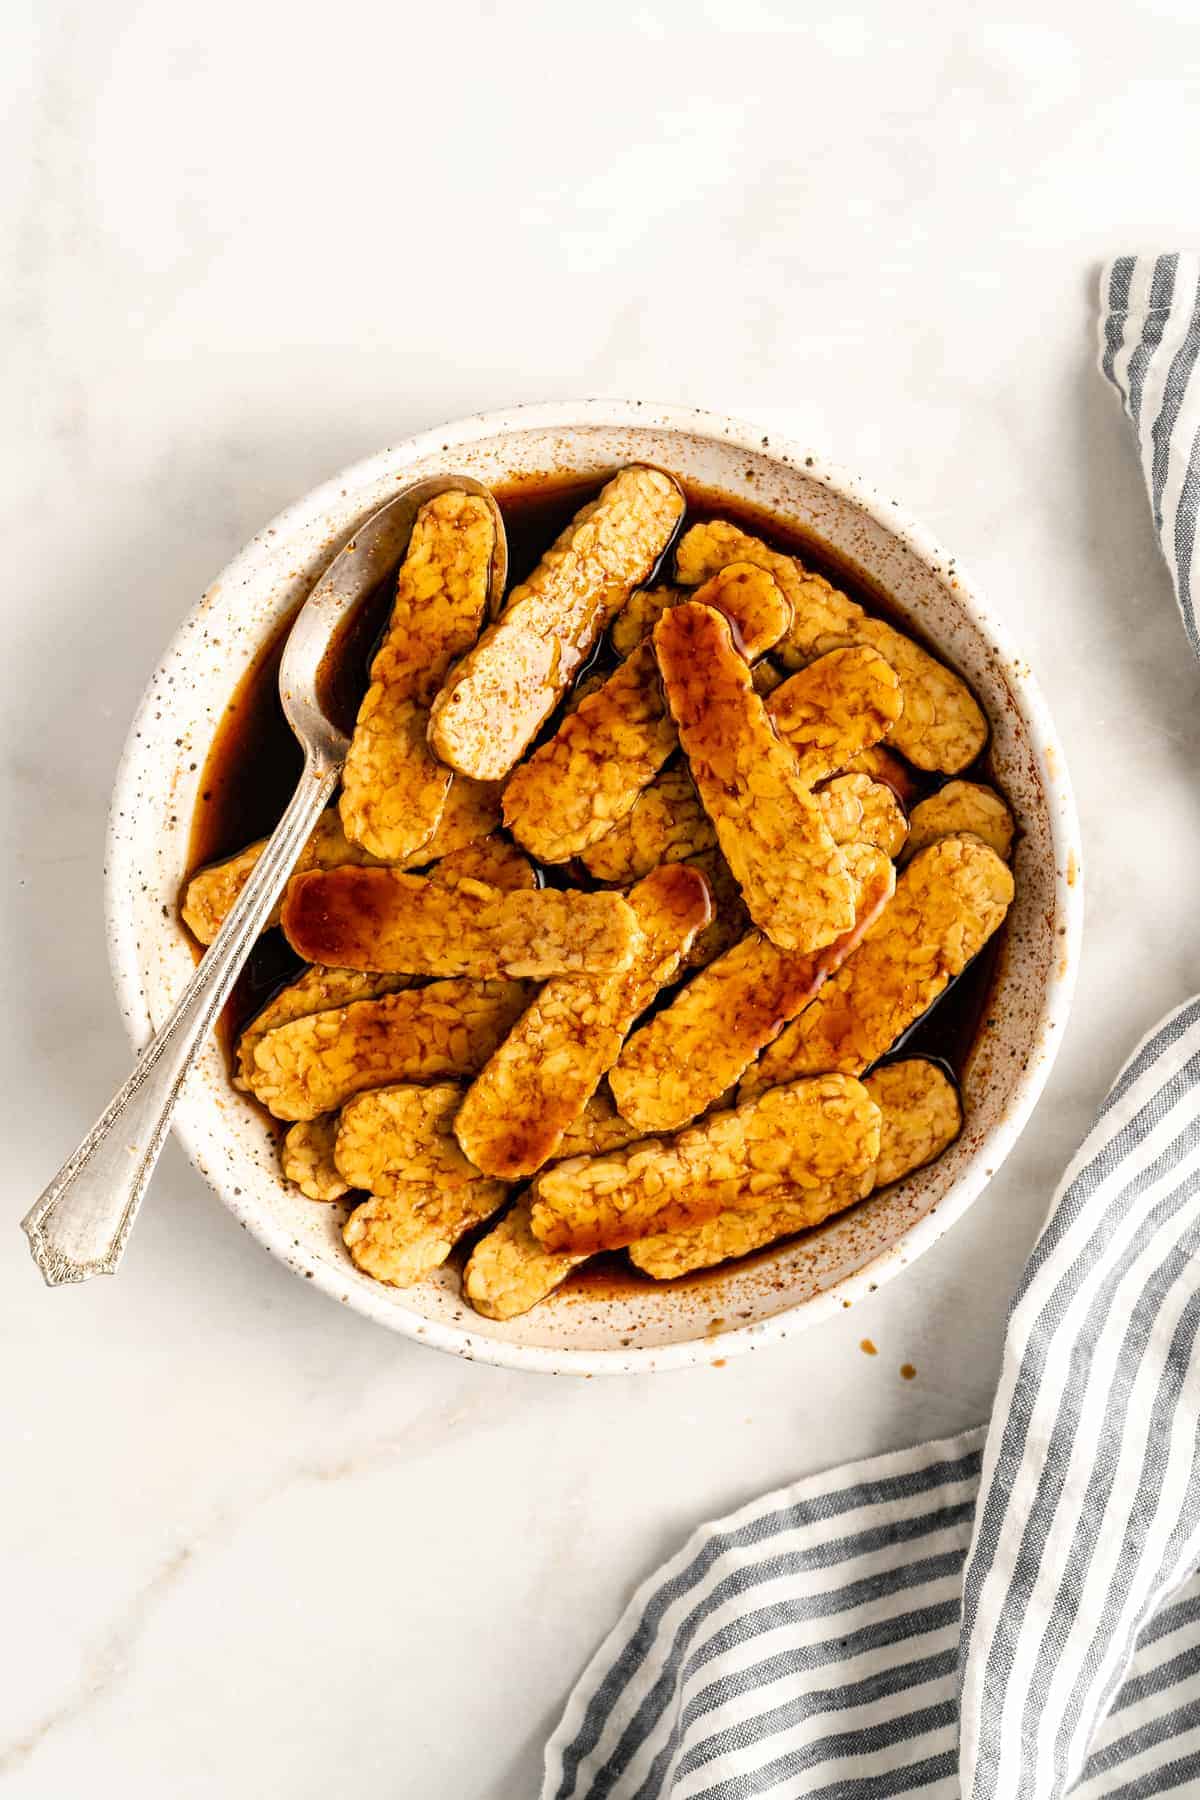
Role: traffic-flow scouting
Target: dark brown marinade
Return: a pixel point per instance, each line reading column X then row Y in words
column 254, row 763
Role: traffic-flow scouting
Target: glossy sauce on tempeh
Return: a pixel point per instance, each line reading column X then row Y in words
column 253, row 764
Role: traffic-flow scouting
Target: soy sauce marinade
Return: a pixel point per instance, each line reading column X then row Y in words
column 254, row 764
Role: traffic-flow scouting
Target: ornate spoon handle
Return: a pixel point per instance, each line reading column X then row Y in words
column 80, row 1225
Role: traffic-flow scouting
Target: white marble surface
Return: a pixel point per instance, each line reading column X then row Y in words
column 252, row 1545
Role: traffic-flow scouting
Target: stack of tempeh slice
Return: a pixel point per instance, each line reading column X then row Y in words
column 683, row 1057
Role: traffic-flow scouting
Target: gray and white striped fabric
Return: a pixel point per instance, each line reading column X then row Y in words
column 1009, row 1616
column 1149, row 346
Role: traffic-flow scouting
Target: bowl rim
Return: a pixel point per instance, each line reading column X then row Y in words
column 567, row 415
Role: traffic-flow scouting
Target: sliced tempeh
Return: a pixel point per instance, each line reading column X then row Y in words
column 598, row 1129
column 797, row 1137
column 503, row 690
column 393, row 788
column 635, row 622
column 492, row 860
column 307, row 1157
column 703, row 1042
column 509, row 1271
column 541, row 1077
column 210, row 894
column 884, row 765
column 941, row 726
column 589, row 774
column 861, row 811
column 402, row 1236
column 316, row 989
column 587, row 684
column 666, row 824
column 841, row 704
column 920, row 1116
column 383, row 919
column 449, row 1028
column 771, row 830
column 948, row 902
column 730, row 920
column 668, row 1254
column 472, row 810
column 959, row 807
column 393, row 1136
column 823, row 618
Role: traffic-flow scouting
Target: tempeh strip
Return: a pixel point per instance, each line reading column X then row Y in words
column 210, row 894
column 402, row 1236
column 393, row 789
column 797, row 1137
column 316, row 989
column 823, row 618
column 307, row 1158
column 587, row 684
column 382, row 919
column 492, row 860
column 884, row 765
column 703, row 1042
column 472, row 810
column 450, row 1028
column 920, row 1115
column 792, row 875
column 730, row 919
column 668, row 1254
column 635, row 622
column 875, row 829
column 861, row 811
column 500, row 694
column 941, row 726
column 598, row 1129
column 668, row 824
column 589, row 774
column 948, row 902
column 541, row 1077
column 509, row 1271
column 393, row 1136
column 960, row 807
column 841, row 704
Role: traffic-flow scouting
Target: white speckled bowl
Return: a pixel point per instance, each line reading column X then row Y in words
column 795, row 1286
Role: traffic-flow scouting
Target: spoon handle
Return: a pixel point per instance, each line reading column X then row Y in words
column 80, row 1225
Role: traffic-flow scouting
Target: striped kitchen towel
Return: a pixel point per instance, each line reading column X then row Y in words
column 1149, row 343
column 1009, row 1615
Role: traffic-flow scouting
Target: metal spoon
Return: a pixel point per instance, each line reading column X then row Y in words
column 82, row 1222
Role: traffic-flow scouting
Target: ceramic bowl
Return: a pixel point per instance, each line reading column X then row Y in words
column 647, row 1328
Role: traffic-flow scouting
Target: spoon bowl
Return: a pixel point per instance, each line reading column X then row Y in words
column 371, row 554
